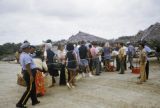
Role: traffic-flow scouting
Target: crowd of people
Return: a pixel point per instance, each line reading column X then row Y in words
column 83, row 59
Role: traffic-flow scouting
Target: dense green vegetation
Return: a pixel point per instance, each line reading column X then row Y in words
column 8, row 48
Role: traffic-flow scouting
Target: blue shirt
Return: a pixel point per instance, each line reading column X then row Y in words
column 148, row 50
column 131, row 50
column 107, row 53
column 26, row 59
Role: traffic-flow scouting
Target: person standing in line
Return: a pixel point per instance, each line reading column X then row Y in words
column 29, row 72
column 95, row 55
column 117, row 58
column 90, row 59
column 50, row 60
column 130, row 53
column 79, row 71
column 125, row 56
column 142, row 61
column 83, row 52
column 61, row 59
column 107, row 56
column 72, row 65
column 121, row 56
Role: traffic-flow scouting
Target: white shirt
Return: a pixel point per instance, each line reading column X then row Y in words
column 39, row 64
column 126, row 49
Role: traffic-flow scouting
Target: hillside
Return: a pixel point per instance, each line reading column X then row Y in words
column 151, row 33
column 86, row 37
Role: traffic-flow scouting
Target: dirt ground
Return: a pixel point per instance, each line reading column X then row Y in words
column 109, row 90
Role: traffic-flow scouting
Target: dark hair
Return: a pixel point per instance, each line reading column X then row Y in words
column 48, row 41
column 32, row 47
column 82, row 42
column 90, row 46
column 39, row 53
column 59, row 46
column 94, row 43
column 70, row 47
column 25, row 41
column 142, row 44
column 121, row 44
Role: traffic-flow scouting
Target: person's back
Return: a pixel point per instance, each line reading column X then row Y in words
column 70, row 56
column 50, row 56
column 131, row 50
column 83, row 52
column 93, row 52
column 107, row 52
column 76, row 50
column 71, row 59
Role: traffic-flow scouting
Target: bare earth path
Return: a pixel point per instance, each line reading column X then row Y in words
column 109, row 90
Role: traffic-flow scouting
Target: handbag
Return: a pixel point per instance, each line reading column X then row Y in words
column 20, row 80
column 57, row 65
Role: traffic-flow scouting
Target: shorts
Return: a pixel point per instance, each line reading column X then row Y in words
column 52, row 71
column 84, row 62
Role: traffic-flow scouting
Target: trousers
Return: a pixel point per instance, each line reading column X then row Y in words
column 30, row 90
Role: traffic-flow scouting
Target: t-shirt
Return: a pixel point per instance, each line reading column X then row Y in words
column 107, row 53
column 83, row 52
column 131, row 50
column 71, row 57
column 50, row 56
column 93, row 52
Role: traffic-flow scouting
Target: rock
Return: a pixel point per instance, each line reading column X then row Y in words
column 9, row 58
column 151, row 33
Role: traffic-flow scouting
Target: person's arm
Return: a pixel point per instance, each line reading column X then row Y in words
column 120, row 54
column 65, row 59
column 44, row 65
column 75, row 58
column 28, row 68
column 144, row 57
column 27, row 62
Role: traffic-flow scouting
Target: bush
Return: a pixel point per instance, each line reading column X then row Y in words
column 9, row 48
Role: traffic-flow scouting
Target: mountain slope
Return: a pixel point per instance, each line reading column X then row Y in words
column 85, row 37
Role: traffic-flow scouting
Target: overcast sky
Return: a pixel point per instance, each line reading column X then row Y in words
column 37, row 20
